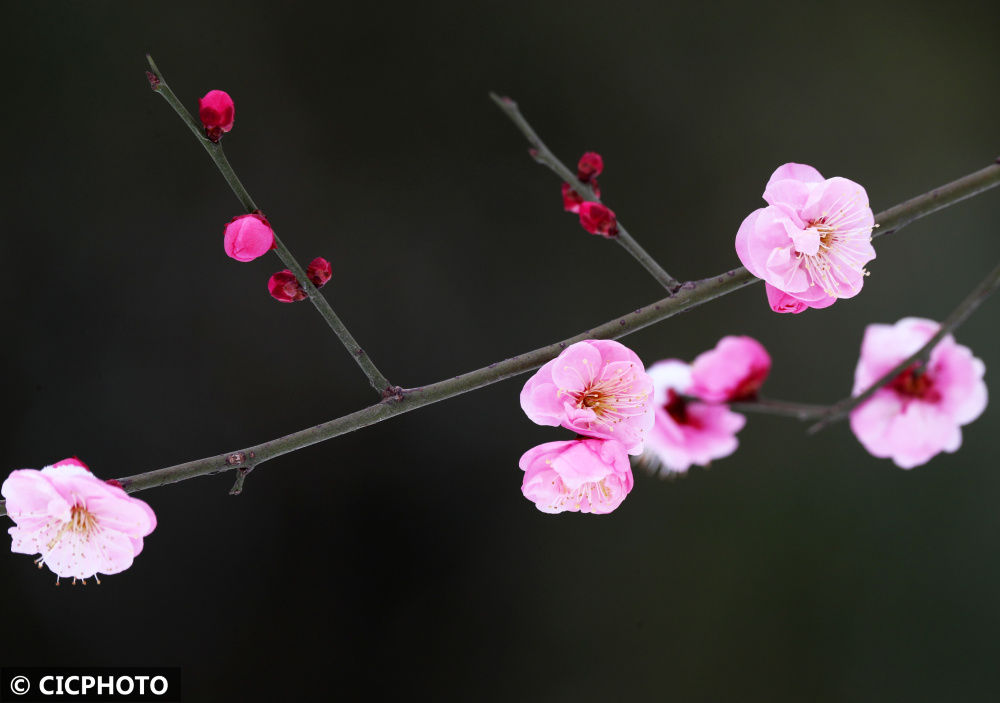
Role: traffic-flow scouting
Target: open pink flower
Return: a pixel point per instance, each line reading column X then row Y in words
column 596, row 388
column 247, row 237
column 582, row 475
column 734, row 370
column 919, row 413
column 686, row 432
column 79, row 524
column 812, row 241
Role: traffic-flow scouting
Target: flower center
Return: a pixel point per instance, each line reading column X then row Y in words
column 611, row 397
column 826, row 234
column 81, row 520
column 677, row 407
column 916, row 383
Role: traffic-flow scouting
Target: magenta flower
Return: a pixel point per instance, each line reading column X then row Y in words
column 598, row 219
column 79, row 524
column 247, row 237
column 572, row 200
column 285, row 288
column 217, row 113
column 582, row 475
column 734, row 370
column 596, row 388
column 686, row 431
column 812, row 241
column 919, row 413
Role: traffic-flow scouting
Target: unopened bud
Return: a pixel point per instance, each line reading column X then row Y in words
column 248, row 237
column 572, row 200
column 598, row 219
column 590, row 166
column 217, row 113
column 319, row 271
column 285, row 288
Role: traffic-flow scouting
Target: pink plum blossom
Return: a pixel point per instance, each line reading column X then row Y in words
column 217, row 112
column 247, row 237
column 921, row 411
column 596, row 388
column 582, row 475
column 734, row 370
column 79, row 524
column 686, row 431
column 811, row 242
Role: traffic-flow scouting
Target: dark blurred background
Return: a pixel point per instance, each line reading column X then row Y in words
column 402, row 559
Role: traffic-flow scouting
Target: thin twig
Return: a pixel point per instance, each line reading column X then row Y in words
column 960, row 314
column 379, row 382
column 543, row 155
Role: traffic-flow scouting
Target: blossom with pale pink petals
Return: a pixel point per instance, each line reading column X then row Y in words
column 686, row 431
column 596, row 388
column 920, row 412
column 248, row 237
column 79, row 524
column 582, row 475
column 811, row 242
column 734, row 370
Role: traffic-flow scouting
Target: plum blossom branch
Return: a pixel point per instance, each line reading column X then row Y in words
column 689, row 295
column 543, row 155
column 770, row 406
column 379, row 382
column 843, row 408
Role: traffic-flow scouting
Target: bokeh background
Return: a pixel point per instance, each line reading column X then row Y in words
column 402, row 560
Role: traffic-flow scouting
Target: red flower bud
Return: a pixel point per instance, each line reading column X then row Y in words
column 319, row 271
column 284, row 287
column 590, row 166
column 217, row 113
column 572, row 199
column 598, row 219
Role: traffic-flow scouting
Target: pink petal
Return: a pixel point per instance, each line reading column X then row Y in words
column 578, row 366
